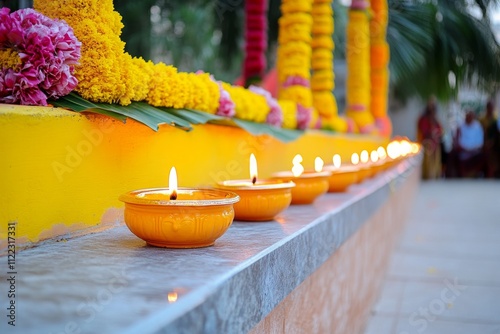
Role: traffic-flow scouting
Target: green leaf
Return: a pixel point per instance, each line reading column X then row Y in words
column 180, row 118
column 192, row 116
column 73, row 104
column 162, row 116
column 284, row 135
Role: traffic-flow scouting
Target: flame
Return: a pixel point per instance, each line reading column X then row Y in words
column 253, row 168
column 355, row 159
column 172, row 184
column 394, row 150
column 318, row 164
column 381, row 152
column 297, row 168
column 374, row 156
column 414, row 148
column 337, row 161
column 405, row 147
column 172, row 297
column 364, row 156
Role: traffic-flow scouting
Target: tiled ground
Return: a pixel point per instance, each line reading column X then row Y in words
column 444, row 276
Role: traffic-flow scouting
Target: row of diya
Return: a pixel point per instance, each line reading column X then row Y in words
column 176, row 217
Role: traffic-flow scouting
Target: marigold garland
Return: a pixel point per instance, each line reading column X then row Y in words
column 358, row 67
column 108, row 74
column 294, row 58
column 322, row 81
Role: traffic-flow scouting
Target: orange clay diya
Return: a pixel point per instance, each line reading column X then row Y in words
column 260, row 200
column 363, row 170
column 377, row 165
column 342, row 176
column 179, row 217
column 309, row 185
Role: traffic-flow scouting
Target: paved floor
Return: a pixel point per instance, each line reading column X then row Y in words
column 444, row 276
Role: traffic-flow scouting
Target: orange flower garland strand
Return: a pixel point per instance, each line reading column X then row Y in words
column 379, row 59
column 358, row 68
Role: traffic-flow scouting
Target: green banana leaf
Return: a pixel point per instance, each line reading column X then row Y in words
column 179, row 118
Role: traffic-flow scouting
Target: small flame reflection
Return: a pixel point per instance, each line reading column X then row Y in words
column 172, row 297
column 337, row 161
column 318, row 164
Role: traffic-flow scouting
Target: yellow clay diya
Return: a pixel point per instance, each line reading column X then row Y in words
column 342, row 176
column 179, row 217
column 260, row 200
column 308, row 184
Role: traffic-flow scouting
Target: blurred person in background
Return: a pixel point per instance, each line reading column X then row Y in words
column 429, row 133
column 469, row 146
column 491, row 139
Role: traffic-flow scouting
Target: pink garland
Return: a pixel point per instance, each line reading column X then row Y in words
column 48, row 51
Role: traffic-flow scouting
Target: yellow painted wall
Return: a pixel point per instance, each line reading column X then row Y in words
column 63, row 171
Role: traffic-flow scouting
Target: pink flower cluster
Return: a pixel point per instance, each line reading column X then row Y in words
column 275, row 116
column 48, row 50
column 304, row 116
column 227, row 107
column 296, row 81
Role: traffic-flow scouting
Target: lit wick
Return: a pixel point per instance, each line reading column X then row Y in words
column 253, row 168
column 173, row 195
column 172, row 184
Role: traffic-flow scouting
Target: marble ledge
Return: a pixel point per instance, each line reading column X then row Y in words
column 112, row 282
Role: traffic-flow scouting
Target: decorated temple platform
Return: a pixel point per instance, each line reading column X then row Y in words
column 315, row 268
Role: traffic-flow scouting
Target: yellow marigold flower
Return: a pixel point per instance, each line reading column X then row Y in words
column 289, row 109
column 285, row 72
column 324, row 102
column 321, row 85
column 295, row 18
column 295, row 32
column 321, row 64
column 362, row 119
column 9, row 59
column 324, row 26
column 315, row 119
column 293, row 49
column 295, row 6
column 143, row 73
column 334, row 123
column 324, row 8
column 101, row 74
column 296, row 61
column 161, row 91
column 323, row 42
column 212, row 88
column 323, row 76
column 249, row 106
column 299, row 94
column 322, row 54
